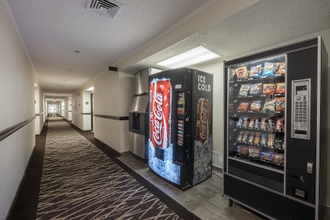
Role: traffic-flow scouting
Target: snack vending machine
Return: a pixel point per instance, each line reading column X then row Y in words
column 180, row 130
column 275, row 147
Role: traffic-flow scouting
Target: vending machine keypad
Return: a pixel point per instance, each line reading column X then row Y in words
column 300, row 109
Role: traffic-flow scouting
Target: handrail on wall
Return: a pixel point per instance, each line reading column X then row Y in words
column 8, row 131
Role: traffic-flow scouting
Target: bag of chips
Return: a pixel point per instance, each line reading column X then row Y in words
column 280, row 88
column 243, row 106
column 256, row 106
column 243, row 150
column 269, row 105
column 278, row 159
column 232, row 74
column 256, row 89
column 268, row 89
column 267, row 156
column 269, row 69
column 255, row 71
column 254, row 151
column 280, row 68
column 241, row 73
column 244, row 90
column 280, row 104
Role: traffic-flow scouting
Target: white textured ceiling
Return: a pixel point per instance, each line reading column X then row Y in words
column 265, row 23
column 52, row 30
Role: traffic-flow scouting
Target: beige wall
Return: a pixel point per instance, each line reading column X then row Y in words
column 17, row 80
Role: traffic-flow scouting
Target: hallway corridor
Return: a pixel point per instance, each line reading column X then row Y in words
column 82, row 180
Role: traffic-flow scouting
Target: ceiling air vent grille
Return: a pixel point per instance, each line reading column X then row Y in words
column 104, row 7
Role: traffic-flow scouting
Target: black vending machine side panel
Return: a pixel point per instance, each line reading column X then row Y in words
column 301, row 144
column 324, row 138
column 202, row 140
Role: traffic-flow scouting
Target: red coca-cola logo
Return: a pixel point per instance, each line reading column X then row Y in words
column 203, row 117
column 159, row 125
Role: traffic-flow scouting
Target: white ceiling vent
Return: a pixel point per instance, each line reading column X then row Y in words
column 104, row 7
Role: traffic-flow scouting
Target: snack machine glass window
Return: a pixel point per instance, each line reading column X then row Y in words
column 256, row 101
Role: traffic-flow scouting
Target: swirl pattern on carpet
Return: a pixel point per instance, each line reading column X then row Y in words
column 80, row 182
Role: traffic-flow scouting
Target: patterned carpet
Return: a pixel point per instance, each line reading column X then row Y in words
column 80, row 182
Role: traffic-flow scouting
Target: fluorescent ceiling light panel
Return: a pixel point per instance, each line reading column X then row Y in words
column 196, row 55
column 90, row 89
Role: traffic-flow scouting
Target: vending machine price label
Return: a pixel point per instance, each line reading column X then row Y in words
column 300, row 120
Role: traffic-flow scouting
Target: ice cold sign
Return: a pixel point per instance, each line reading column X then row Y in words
column 202, row 86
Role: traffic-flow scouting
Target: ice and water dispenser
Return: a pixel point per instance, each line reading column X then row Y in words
column 139, row 114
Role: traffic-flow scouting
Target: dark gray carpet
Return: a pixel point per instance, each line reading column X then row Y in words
column 80, row 182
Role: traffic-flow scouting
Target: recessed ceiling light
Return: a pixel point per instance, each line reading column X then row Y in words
column 196, row 55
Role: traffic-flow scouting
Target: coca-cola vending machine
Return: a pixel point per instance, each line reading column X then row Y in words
column 180, row 130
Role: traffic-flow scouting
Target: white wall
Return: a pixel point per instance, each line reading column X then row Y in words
column 17, row 79
column 38, row 110
column 87, row 109
column 113, row 93
column 65, row 109
column 68, row 109
column 77, row 109
column 216, row 68
column 80, row 99
column 62, row 109
column 126, row 91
